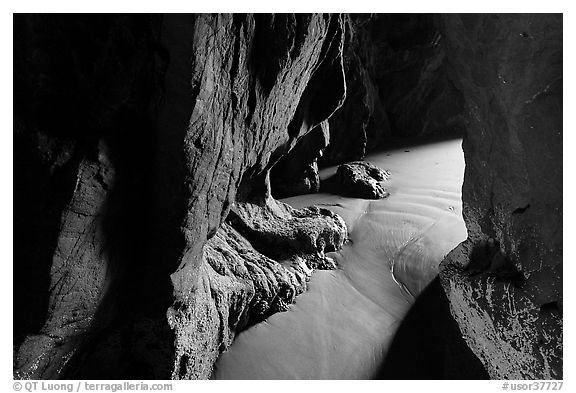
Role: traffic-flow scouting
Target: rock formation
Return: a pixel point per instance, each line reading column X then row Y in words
column 149, row 150
column 359, row 180
column 83, row 130
column 227, row 96
column 297, row 172
column 504, row 283
column 358, row 126
column 231, row 144
column 498, row 79
column 412, row 75
column 362, row 122
column 397, row 85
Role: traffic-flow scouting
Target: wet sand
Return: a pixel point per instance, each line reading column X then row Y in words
column 342, row 327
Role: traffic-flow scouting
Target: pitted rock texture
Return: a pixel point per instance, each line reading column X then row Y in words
column 504, row 283
column 361, row 180
column 243, row 282
column 143, row 151
column 227, row 144
column 282, row 231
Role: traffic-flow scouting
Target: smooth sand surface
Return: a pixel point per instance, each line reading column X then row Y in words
column 342, row 326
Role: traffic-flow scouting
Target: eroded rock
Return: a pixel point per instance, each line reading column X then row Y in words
column 398, row 84
column 282, row 231
column 194, row 111
column 504, row 283
column 413, row 75
column 361, row 180
column 362, row 122
column 145, row 146
column 250, row 109
column 83, row 120
column 78, row 275
column 297, row 172
column 242, row 281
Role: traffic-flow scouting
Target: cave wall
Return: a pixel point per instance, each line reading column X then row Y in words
column 140, row 135
column 412, row 75
column 359, row 125
column 397, row 86
column 82, row 98
column 498, row 80
column 504, row 282
column 362, row 122
column 263, row 82
column 143, row 150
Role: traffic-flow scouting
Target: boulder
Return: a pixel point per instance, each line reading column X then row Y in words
column 361, row 180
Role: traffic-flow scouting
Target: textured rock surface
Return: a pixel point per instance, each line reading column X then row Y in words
column 243, row 282
column 82, row 94
column 397, row 84
column 297, row 172
column 173, row 120
column 241, row 124
column 143, row 151
column 504, row 283
column 78, row 275
column 360, row 180
column 281, row 231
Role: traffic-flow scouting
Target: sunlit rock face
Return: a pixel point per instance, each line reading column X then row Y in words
column 361, row 180
column 261, row 83
column 505, row 282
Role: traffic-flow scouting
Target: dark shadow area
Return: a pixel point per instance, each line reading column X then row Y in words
column 39, row 198
column 130, row 337
column 429, row 345
column 79, row 81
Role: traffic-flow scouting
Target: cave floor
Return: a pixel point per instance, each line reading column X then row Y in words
column 342, row 327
